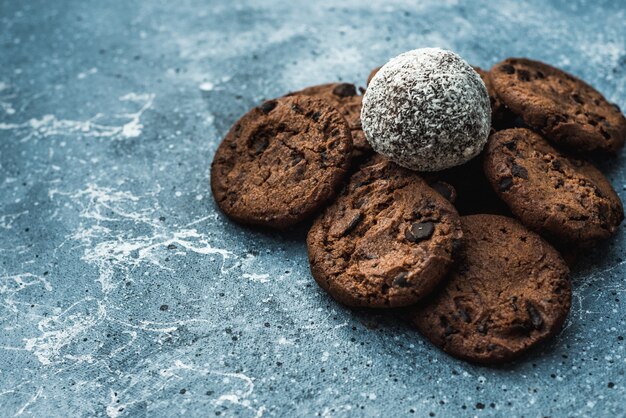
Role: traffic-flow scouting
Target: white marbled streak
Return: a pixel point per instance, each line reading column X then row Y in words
column 50, row 125
column 5, row 98
column 118, row 232
column 59, row 330
column 142, row 386
column 28, row 403
column 7, row 220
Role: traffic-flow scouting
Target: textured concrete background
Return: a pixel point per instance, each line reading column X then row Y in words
column 123, row 292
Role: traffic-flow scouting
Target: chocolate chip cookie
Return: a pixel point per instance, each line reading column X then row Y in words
column 564, row 108
column 386, row 241
column 560, row 196
column 281, row 162
column 508, row 292
column 345, row 98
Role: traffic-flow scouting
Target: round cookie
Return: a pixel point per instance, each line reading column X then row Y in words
column 386, row 241
column 344, row 97
column 508, row 292
column 563, row 197
column 564, row 108
column 281, row 162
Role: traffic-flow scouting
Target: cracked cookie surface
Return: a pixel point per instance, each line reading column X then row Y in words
column 564, row 108
column 508, row 292
column 281, row 162
column 344, row 97
column 386, row 241
column 560, row 196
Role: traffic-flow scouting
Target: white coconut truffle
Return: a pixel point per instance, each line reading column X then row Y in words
column 427, row 110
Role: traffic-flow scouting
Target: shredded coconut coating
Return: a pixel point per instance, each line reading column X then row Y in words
column 427, row 110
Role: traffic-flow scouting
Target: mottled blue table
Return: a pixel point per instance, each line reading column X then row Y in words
column 124, row 292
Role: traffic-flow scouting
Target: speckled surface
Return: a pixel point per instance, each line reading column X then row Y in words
column 427, row 110
column 123, row 292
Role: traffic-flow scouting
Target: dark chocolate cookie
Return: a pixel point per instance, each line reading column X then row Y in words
column 344, row 97
column 386, row 241
column 281, row 162
column 549, row 192
column 501, row 116
column 508, row 292
column 564, row 108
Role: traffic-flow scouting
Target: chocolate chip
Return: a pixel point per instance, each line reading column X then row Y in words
column 385, row 289
column 506, row 68
column 360, row 202
column 419, row 231
column 535, row 316
column 268, row 106
column 556, row 164
column 519, row 171
column 362, row 183
column 323, row 159
column 449, row 331
column 464, row 315
column 603, row 213
column 605, row 134
column 353, row 223
column 400, row 280
column 523, row 75
column 443, row 189
column 556, row 119
column 344, row 90
column 296, row 157
column 316, row 116
column 482, row 329
column 259, row 143
column 616, row 106
column 540, row 75
column 505, row 184
column 577, row 98
column 511, row 145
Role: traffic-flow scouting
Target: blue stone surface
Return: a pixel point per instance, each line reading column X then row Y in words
column 124, row 292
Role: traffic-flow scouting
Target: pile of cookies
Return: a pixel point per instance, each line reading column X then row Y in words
column 485, row 287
